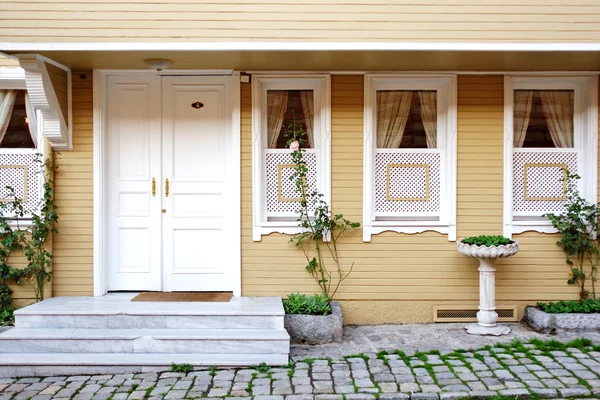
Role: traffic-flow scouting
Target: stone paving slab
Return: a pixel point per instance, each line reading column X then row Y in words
column 536, row 369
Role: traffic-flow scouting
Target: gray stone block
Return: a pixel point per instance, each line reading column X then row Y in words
column 424, row 396
column 544, row 393
column 394, row 396
column 521, row 393
column 543, row 322
column 453, row 395
column 574, row 392
column 315, row 329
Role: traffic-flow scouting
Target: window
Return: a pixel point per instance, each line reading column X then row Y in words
column 281, row 103
column 410, row 154
column 551, row 125
column 14, row 121
column 19, row 163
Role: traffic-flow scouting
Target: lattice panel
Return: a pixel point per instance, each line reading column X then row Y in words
column 538, row 180
column 407, row 182
column 282, row 194
column 21, row 172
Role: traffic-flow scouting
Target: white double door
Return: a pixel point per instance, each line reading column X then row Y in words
column 171, row 200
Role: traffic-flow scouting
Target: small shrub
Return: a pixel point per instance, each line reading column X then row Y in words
column 316, row 304
column 564, row 307
column 181, row 367
column 487, row 240
column 7, row 316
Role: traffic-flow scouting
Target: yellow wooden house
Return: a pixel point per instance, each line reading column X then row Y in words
column 425, row 123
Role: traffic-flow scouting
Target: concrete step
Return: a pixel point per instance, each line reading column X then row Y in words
column 145, row 341
column 53, row 364
column 117, row 311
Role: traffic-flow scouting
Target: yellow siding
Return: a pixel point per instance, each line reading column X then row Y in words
column 8, row 62
column 59, row 77
column 403, row 275
column 300, row 20
column 407, row 274
column 73, row 269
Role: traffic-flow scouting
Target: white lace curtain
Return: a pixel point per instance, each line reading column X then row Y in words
column 557, row 107
column 393, row 111
column 31, row 119
column 7, row 102
column 429, row 117
column 277, row 103
column 308, row 109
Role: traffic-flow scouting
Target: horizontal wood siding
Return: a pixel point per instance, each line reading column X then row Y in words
column 59, row 77
column 73, row 270
column 399, row 267
column 300, row 20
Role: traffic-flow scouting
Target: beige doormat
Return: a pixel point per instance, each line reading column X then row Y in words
column 218, row 297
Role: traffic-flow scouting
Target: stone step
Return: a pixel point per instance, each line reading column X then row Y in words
column 55, row 364
column 117, row 311
column 145, row 341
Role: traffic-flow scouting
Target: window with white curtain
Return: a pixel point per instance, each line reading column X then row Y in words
column 279, row 104
column 410, row 154
column 551, row 126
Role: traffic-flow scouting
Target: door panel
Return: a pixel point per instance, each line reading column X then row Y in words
column 133, row 160
column 197, row 152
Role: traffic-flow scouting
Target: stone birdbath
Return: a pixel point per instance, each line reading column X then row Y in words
column 487, row 254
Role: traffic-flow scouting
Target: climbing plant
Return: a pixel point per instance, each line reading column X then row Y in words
column 29, row 238
column 579, row 225
column 321, row 228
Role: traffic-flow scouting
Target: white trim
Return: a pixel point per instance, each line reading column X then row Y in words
column 444, row 84
column 585, row 139
column 297, row 45
column 12, row 78
column 320, row 84
column 99, row 150
column 58, row 128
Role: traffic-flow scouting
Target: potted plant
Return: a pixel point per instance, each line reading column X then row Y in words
column 487, row 249
column 312, row 319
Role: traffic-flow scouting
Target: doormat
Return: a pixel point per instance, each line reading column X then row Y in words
column 216, row 297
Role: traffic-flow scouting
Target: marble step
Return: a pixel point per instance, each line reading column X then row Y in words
column 117, row 311
column 145, row 341
column 54, row 364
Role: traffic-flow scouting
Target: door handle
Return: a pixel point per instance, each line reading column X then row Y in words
column 167, row 187
column 153, row 187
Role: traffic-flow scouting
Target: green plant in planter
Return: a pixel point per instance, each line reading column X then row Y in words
column 562, row 307
column 317, row 304
column 487, row 240
column 578, row 226
column 321, row 228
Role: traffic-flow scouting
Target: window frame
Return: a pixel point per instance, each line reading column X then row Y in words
column 446, row 87
column 320, row 84
column 585, row 119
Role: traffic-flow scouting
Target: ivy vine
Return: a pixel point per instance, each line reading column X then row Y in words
column 29, row 238
column 321, row 228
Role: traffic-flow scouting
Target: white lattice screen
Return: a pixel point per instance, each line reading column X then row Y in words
column 21, row 172
column 407, row 182
column 281, row 192
column 538, row 180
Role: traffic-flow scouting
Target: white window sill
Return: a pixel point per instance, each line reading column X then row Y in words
column 519, row 227
column 282, row 227
column 408, row 227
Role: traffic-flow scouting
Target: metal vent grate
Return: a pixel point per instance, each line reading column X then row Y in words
column 469, row 314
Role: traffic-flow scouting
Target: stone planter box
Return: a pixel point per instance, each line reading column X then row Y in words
column 315, row 329
column 543, row 322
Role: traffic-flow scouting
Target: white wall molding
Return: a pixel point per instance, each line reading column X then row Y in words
column 299, row 46
column 446, row 87
column 57, row 127
column 321, row 85
column 585, row 89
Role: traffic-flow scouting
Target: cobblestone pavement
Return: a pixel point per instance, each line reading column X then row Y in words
column 421, row 337
column 539, row 369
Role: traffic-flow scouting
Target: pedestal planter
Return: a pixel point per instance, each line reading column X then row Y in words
column 487, row 316
column 315, row 329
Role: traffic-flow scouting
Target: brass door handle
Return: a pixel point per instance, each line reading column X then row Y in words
column 167, row 187
column 153, row 187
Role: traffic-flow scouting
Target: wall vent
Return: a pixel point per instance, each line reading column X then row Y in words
column 456, row 313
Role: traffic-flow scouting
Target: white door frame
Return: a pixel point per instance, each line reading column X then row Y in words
column 100, row 242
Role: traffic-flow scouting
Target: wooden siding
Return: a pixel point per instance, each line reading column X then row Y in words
column 8, row 62
column 300, row 20
column 399, row 267
column 73, row 270
column 59, row 77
